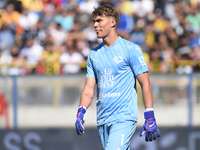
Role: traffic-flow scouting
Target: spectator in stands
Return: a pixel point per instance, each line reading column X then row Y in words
column 194, row 39
column 143, row 7
column 55, row 3
column 157, row 64
column 125, row 23
column 10, row 16
column 138, row 34
column 126, row 7
column 171, row 58
column 65, row 19
column 170, row 13
column 48, row 39
column 160, row 22
column 184, row 49
column 5, row 59
column 82, row 19
column 19, row 34
column 88, row 6
column 16, row 58
column 17, row 5
column 32, row 53
column 193, row 19
column 162, row 43
column 47, row 16
column 74, row 25
column 7, row 38
column 70, row 60
column 172, row 36
column 182, row 9
column 58, row 34
column 17, row 64
column 33, row 5
column 149, row 36
column 49, row 60
column 39, row 32
column 83, row 48
column 28, row 19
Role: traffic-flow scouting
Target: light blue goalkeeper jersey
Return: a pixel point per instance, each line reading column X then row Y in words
column 115, row 69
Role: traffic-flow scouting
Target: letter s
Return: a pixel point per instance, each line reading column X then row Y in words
column 32, row 136
column 8, row 138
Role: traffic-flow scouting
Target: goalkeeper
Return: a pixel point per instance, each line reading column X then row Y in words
column 113, row 67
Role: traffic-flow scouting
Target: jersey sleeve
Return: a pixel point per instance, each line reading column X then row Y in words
column 90, row 69
column 137, row 61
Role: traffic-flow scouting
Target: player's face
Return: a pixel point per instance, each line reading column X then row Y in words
column 102, row 25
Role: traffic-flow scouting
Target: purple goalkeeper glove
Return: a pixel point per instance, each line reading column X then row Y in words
column 150, row 127
column 80, row 120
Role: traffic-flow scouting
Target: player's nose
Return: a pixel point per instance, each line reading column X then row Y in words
column 95, row 24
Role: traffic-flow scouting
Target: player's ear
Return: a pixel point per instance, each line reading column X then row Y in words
column 113, row 23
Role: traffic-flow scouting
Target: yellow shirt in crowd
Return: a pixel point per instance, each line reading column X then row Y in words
column 33, row 5
column 10, row 18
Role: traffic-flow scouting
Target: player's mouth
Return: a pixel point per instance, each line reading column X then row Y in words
column 98, row 31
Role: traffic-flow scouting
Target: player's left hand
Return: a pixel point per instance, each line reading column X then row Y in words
column 80, row 120
column 150, row 128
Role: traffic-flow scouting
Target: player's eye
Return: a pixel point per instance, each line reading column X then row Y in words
column 97, row 20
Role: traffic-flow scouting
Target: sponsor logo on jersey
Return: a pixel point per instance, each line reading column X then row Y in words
column 109, row 95
column 106, row 79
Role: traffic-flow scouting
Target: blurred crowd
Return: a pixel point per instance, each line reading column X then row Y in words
column 55, row 36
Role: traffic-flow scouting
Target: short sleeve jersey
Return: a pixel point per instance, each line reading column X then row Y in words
column 115, row 69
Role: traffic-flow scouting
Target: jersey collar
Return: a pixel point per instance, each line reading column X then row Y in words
column 113, row 44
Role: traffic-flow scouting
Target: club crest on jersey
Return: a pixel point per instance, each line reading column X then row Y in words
column 118, row 59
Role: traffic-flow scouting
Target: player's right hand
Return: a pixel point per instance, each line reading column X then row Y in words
column 80, row 120
column 150, row 128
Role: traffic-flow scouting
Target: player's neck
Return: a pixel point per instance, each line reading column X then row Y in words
column 110, row 40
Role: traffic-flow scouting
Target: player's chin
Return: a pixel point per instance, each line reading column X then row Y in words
column 99, row 36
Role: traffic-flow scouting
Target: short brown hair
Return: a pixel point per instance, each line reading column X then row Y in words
column 107, row 10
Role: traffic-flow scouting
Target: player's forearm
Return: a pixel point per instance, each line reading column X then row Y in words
column 88, row 92
column 147, row 96
column 86, row 98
